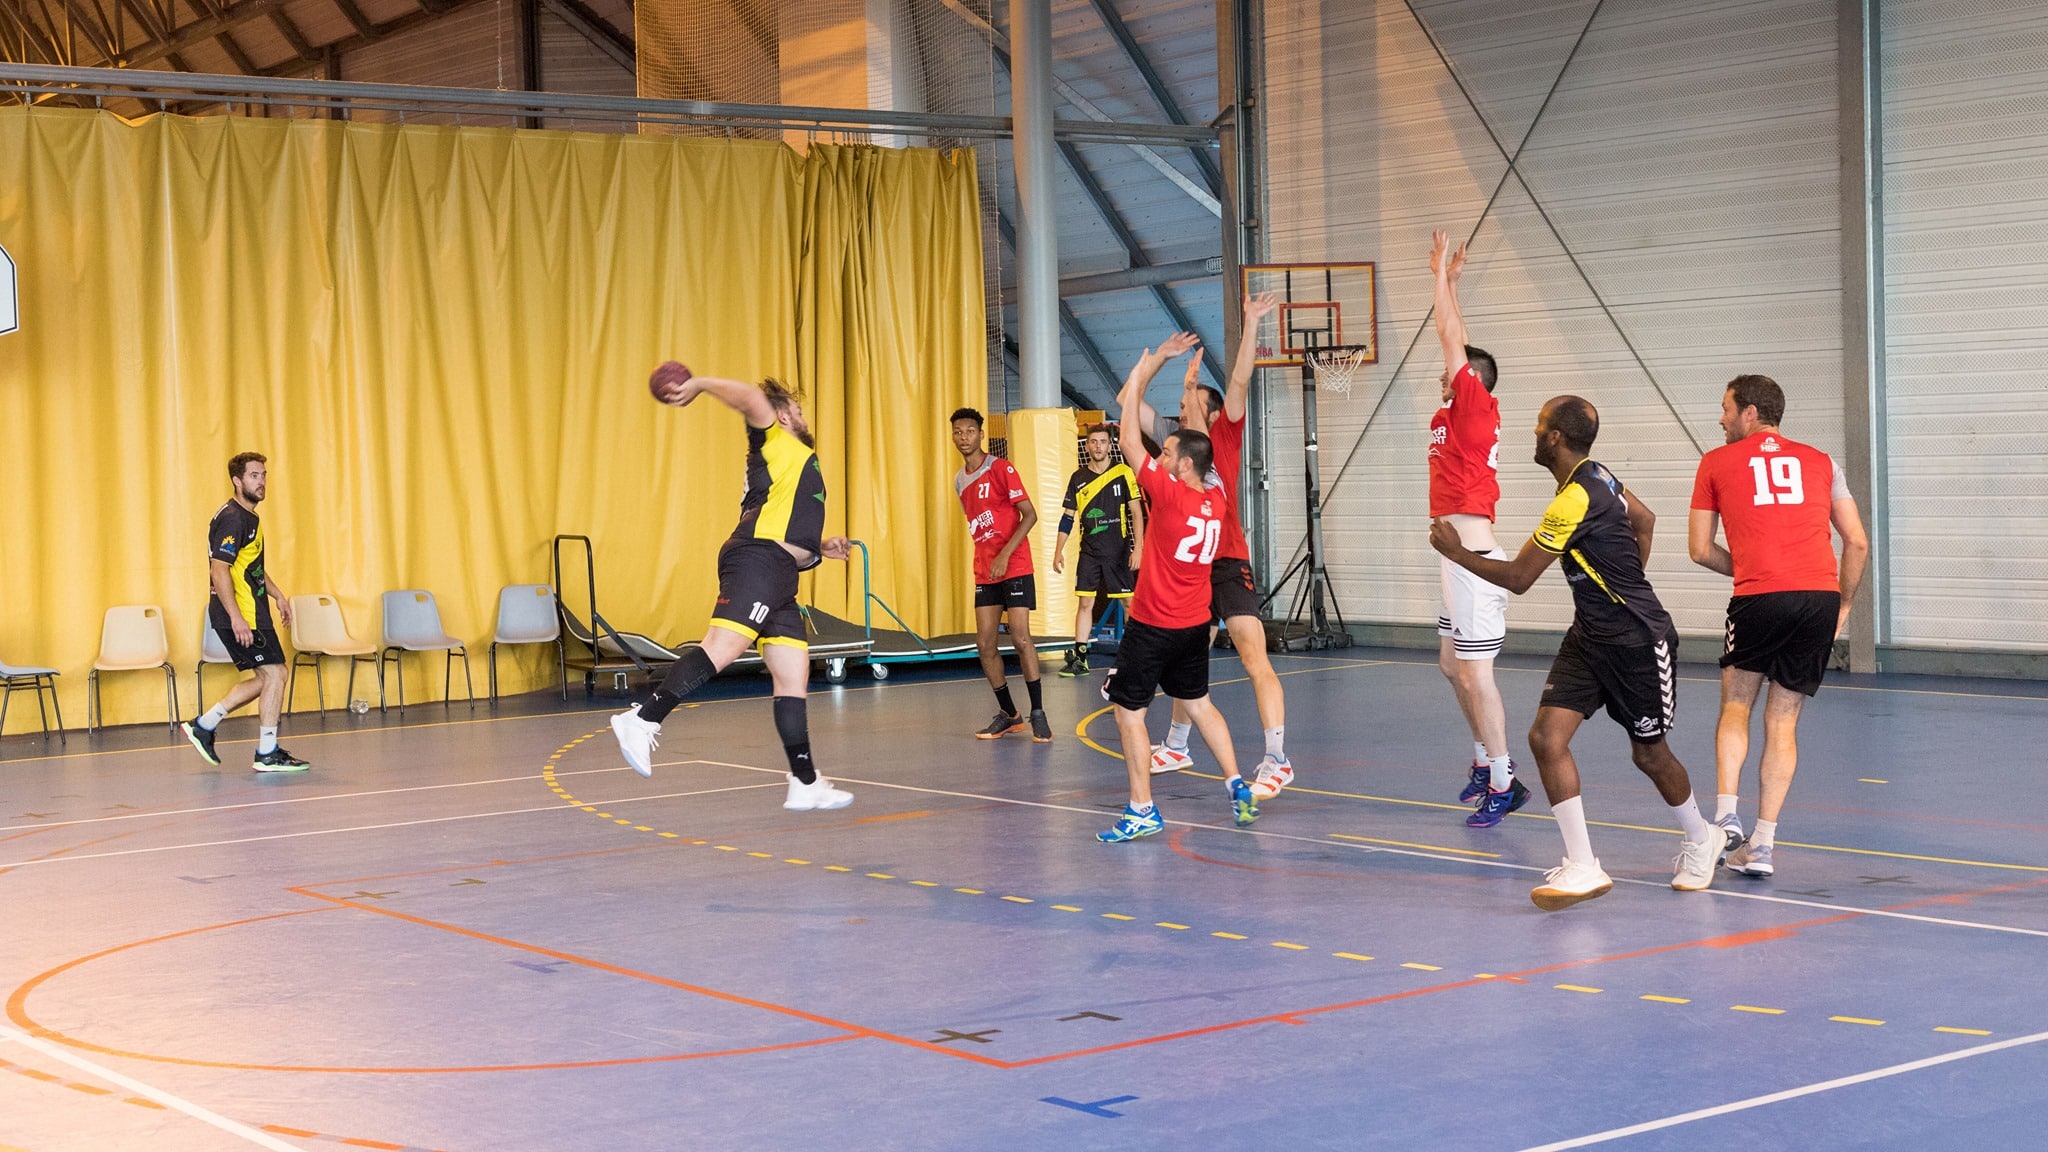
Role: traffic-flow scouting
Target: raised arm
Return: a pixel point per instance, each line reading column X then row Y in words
column 1700, row 543
column 1239, row 390
column 1445, row 265
column 1131, row 405
column 1193, row 413
column 675, row 385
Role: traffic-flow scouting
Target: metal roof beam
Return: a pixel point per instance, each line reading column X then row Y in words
column 1071, row 325
column 1106, row 9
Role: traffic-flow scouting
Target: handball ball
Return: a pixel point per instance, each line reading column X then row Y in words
column 667, row 381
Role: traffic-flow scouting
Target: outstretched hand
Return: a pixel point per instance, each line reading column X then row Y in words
column 1175, row 345
column 1444, row 261
column 1257, row 308
column 1444, row 538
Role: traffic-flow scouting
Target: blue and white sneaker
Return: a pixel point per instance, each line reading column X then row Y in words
column 1496, row 806
column 1132, row 825
column 1477, row 786
column 1244, row 808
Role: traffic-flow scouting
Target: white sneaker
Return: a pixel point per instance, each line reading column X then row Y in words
column 636, row 739
column 1165, row 759
column 1568, row 884
column 818, row 794
column 1694, row 864
column 1273, row 776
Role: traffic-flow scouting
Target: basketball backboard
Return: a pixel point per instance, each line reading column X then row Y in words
column 1320, row 305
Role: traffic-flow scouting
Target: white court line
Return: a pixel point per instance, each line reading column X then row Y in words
column 233, row 1128
column 1788, row 1094
column 1095, row 812
column 557, row 806
column 528, row 778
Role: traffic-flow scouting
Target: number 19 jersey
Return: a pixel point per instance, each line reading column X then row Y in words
column 1182, row 532
column 1774, row 497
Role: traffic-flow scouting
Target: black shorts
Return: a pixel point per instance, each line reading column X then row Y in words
column 1230, row 590
column 1016, row 592
column 1171, row 660
column 1104, row 575
column 757, row 593
column 264, row 650
column 1637, row 683
column 1787, row 636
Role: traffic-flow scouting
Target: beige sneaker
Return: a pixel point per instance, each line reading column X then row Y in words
column 1694, row 865
column 1569, row 884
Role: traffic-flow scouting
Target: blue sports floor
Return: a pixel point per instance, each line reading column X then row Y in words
column 474, row 930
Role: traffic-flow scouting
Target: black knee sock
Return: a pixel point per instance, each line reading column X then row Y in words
column 792, row 725
column 1037, row 704
column 1003, row 700
column 684, row 677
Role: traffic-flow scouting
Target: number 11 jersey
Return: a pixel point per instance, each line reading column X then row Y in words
column 1774, row 496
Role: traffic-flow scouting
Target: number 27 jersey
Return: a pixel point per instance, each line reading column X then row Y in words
column 1182, row 532
column 1775, row 498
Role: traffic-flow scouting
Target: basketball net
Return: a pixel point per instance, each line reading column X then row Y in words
column 1335, row 368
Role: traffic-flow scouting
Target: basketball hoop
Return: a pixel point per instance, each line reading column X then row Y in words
column 1334, row 368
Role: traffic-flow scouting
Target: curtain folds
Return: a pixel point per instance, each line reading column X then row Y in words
column 440, row 338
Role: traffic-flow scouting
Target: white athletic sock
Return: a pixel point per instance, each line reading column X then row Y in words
column 1689, row 818
column 1142, row 809
column 1724, row 806
column 1571, row 821
column 266, row 740
column 1766, row 833
column 213, row 717
column 1503, row 772
column 1274, row 739
column 1177, row 735
column 1478, row 754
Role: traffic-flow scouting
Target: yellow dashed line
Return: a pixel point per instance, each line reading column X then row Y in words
column 586, row 807
column 1665, row 999
column 1170, row 924
column 1064, row 908
column 762, row 855
column 622, row 821
column 1424, row 967
column 1349, row 956
column 837, row 868
column 1868, row 780
column 1117, row 916
column 606, row 815
column 1965, row 1031
column 1228, row 936
column 1856, row 1020
column 727, row 848
column 1020, row 900
column 1764, row 1011
column 926, row 883
column 669, row 835
column 970, row 891
column 794, row 860
column 642, row 828
column 881, row 875
column 1576, row 988
column 1290, row 947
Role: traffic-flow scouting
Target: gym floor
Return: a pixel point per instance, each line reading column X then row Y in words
column 472, row 929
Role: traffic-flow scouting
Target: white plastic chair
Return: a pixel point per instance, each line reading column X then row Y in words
column 526, row 615
column 22, row 678
column 412, row 623
column 132, row 639
column 318, row 631
column 211, row 651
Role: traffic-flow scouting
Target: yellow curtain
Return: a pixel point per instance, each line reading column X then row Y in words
column 440, row 337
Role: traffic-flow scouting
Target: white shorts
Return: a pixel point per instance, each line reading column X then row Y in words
column 1474, row 613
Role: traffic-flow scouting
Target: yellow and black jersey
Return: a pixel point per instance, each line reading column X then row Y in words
column 1587, row 525
column 235, row 538
column 785, row 495
column 1101, row 506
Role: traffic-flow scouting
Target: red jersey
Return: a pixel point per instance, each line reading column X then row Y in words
column 1774, row 497
column 1464, row 450
column 1227, row 437
column 990, row 495
column 1182, row 533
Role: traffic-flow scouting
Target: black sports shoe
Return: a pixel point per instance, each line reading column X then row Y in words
column 279, row 760
column 202, row 739
column 1041, row 728
column 1001, row 726
column 1077, row 664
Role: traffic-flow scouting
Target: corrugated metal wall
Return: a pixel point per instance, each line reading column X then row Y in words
column 1966, row 260
column 1687, row 166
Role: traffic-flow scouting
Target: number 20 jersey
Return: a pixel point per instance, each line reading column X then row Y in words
column 1182, row 533
column 1774, row 497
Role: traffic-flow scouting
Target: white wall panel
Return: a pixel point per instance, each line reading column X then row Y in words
column 1966, row 302
column 1687, row 166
